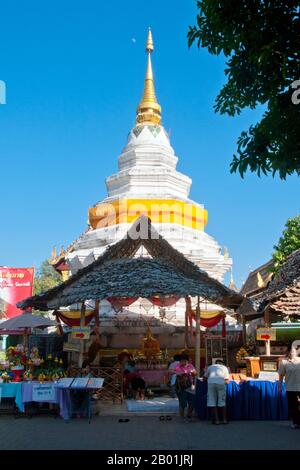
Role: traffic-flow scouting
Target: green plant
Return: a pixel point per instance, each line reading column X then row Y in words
column 261, row 42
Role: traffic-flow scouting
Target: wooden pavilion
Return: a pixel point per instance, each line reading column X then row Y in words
column 121, row 273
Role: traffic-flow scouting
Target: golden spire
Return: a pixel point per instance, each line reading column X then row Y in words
column 232, row 285
column 149, row 111
column 53, row 254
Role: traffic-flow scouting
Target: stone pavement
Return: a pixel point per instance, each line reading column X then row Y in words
column 144, row 433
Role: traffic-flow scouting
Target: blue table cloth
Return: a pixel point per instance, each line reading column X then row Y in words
column 62, row 397
column 13, row 390
column 257, row 400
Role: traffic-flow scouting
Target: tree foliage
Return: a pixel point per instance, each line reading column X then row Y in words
column 261, row 40
column 288, row 242
column 46, row 278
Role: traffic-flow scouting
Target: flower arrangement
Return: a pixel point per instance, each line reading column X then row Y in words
column 28, row 375
column 34, row 358
column 51, row 369
column 240, row 356
column 6, row 377
column 37, row 368
column 4, row 365
column 16, row 356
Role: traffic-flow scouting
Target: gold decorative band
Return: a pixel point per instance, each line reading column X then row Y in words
column 158, row 210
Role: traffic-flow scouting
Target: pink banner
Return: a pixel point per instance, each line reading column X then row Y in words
column 164, row 301
column 15, row 285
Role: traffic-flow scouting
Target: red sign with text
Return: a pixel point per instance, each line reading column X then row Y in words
column 15, row 284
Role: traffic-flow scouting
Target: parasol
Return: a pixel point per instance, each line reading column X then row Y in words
column 27, row 320
column 23, row 323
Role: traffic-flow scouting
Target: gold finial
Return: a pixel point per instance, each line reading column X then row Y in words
column 149, row 111
column 149, row 45
column 260, row 281
column 232, row 285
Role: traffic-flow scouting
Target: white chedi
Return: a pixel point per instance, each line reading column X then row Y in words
column 147, row 170
column 147, row 174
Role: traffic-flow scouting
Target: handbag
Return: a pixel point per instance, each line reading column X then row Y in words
column 183, row 382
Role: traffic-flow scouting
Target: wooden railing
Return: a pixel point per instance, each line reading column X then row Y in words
column 112, row 390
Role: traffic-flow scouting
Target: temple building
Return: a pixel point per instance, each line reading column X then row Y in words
column 148, row 183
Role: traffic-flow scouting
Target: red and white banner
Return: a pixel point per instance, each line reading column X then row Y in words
column 15, row 284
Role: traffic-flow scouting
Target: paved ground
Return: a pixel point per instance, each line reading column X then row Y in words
column 144, row 433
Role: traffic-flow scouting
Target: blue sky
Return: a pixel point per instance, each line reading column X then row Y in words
column 74, row 77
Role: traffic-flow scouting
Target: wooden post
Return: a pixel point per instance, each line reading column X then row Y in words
column 82, row 324
column 244, row 330
column 198, row 338
column 267, row 324
column 26, row 341
column 97, row 320
column 267, row 316
column 186, row 331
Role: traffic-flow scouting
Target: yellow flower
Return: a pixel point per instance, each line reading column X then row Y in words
column 56, row 359
column 50, row 356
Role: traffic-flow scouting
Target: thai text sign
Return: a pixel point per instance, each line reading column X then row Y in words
column 265, row 334
column 15, row 285
column 43, row 392
column 269, row 376
column 79, row 332
column 95, row 383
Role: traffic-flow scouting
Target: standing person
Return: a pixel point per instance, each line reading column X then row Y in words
column 290, row 370
column 172, row 367
column 185, row 374
column 217, row 376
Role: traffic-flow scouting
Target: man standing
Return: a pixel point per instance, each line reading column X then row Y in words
column 217, row 376
column 289, row 369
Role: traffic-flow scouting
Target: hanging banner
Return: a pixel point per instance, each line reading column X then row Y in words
column 72, row 318
column 164, row 301
column 118, row 303
column 15, row 285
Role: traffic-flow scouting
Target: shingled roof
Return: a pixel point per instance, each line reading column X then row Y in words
column 283, row 293
column 258, row 280
column 118, row 274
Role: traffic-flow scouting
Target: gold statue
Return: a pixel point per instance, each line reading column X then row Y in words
column 151, row 346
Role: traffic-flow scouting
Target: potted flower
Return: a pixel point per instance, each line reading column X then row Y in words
column 6, row 377
column 18, row 360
